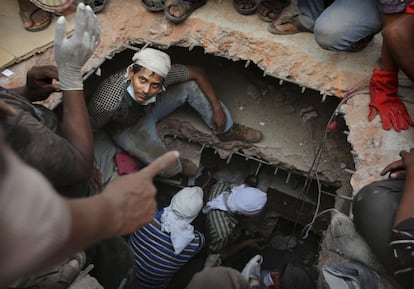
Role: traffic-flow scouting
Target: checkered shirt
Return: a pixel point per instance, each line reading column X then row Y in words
column 112, row 106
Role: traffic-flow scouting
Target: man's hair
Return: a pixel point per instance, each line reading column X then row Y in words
column 136, row 68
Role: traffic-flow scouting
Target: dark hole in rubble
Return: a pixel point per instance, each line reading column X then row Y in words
column 293, row 123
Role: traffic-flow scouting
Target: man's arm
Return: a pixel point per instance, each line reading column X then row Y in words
column 70, row 55
column 200, row 76
column 58, row 227
column 126, row 204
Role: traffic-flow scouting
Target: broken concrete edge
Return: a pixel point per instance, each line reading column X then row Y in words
column 184, row 130
column 339, row 84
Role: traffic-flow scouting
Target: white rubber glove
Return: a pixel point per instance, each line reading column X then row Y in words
column 72, row 53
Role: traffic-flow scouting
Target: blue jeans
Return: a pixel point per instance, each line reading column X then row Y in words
column 342, row 24
column 141, row 139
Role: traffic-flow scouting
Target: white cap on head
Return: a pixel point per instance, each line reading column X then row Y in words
column 187, row 203
column 246, row 200
column 153, row 59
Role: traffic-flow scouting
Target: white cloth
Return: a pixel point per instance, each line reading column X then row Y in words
column 246, row 200
column 241, row 200
column 218, row 203
column 153, row 59
column 176, row 218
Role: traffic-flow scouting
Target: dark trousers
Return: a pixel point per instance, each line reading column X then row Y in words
column 374, row 209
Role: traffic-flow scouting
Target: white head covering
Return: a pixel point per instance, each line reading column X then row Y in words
column 246, row 200
column 153, row 59
column 241, row 199
column 176, row 218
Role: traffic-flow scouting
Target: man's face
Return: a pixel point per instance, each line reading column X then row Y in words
column 146, row 84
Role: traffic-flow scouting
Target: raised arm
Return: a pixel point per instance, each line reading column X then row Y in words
column 70, row 55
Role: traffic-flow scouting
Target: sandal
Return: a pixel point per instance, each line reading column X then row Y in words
column 28, row 15
column 270, row 10
column 245, row 11
column 157, row 5
column 287, row 20
column 185, row 7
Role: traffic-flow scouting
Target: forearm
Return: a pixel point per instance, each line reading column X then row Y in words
column 90, row 222
column 405, row 208
column 76, row 128
column 201, row 77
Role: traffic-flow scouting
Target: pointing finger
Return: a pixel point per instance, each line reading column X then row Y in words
column 160, row 164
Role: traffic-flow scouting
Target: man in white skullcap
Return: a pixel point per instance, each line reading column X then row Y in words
column 162, row 247
column 129, row 106
column 226, row 204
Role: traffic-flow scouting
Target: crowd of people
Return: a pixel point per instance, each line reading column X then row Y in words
column 48, row 159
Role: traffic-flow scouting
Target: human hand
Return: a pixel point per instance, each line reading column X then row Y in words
column 96, row 180
column 399, row 168
column 385, row 101
column 133, row 195
column 396, row 169
column 219, row 119
column 39, row 82
column 72, row 53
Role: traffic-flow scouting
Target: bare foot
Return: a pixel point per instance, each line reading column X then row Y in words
column 176, row 11
column 283, row 26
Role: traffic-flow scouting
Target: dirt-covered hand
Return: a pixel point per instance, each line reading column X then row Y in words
column 39, row 82
column 219, row 120
column 72, row 53
column 133, row 195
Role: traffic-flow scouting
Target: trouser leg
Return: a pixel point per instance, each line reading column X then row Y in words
column 358, row 20
column 310, row 10
column 374, row 210
column 142, row 140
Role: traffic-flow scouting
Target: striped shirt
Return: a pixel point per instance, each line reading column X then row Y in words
column 402, row 245
column 155, row 261
column 112, row 106
column 222, row 227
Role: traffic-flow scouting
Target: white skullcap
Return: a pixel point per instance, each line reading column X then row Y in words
column 153, row 59
column 246, row 200
column 187, row 203
column 176, row 218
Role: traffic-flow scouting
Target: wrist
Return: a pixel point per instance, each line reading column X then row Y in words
column 70, row 78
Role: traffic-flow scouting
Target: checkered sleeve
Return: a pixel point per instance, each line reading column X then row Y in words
column 178, row 73
column 402, row 245
column 106, row 100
